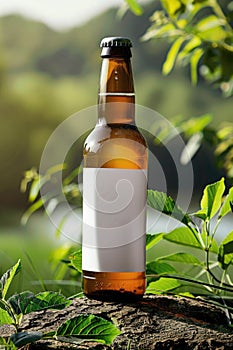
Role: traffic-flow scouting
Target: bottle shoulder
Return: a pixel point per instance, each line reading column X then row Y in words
column 120, row 133
column 101, row 134
column 115, row 146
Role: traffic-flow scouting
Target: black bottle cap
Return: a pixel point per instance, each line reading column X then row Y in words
column 116, row 47
column 115, row 42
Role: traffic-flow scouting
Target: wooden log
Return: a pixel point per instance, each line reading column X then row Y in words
column 156, row 322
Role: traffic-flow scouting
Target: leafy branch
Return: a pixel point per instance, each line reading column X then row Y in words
column 83, row 327
column 216, row 280
column 201, row 35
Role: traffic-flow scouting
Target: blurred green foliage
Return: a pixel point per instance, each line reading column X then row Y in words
column 45, row 76
column 200, row 31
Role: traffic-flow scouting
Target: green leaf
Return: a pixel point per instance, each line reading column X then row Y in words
column 6, row 344
column 183, row 236
column 159, row 268
column 227, row 205
column 210, row 28
column 172, row 54
column 212, row 199
column 181, row 257
column 76, row 260
column 35, row 188
column 152, row 239
column 23, row 338
column 135, row 7
column 88, row 327
column 165, row 204
column 172, row 7
column 195, row 58
column 195, row 125
column 225, row 256
column 166, row 31
column 163, row 285
column 34, row 207
column 27, row 302
column 189, row 46
column 7, row 278
column 5, row 318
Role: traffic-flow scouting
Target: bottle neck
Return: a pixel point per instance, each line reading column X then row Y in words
column 116, row 92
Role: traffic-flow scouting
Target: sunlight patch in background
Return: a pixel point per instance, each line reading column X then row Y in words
column 62, row 14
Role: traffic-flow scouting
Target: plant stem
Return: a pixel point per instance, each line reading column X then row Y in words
column 181, row 278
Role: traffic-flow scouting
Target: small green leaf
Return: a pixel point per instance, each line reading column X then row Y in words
column 166, row 31
column 163, row 285
column 165, row 204
column 195, row 125
column 212, row 198
column 159, row 268
column 172, row 7
column 172, row 54
column 23, row 338
column 27, row 302
column 35, row 188
column 195, row 58
column 210, row 28
column 5, row 318
column 135, row 7
column 225, row 256
column 76, row 260
column 152, row 239
column 183, row 236
column 88, row 327
column 7, row 278
column 227, row 205
column 34, row 207
column 189, row 46
column 181, row 257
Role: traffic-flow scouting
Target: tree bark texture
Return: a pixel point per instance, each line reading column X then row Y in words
column 156, row 322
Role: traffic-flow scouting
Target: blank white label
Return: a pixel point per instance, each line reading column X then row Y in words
column 114, row 220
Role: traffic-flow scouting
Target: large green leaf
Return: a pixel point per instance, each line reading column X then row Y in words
column 27, row 302
column 159, row 268
column 163, row 285
column 88, row 327
column 225, row 256
column 23, row 338
column 153, row 239
column 181, row 257
column 211, row 200
column 165, row 204
column 7, row 278
column 183, row 236
column 227, row 205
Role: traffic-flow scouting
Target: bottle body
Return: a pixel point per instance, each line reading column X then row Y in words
column 114, row 210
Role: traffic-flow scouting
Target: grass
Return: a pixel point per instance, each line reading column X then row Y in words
column 33, row 244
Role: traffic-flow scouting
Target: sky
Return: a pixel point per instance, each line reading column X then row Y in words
column 58, row 14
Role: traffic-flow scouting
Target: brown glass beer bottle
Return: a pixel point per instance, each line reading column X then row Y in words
column 114, row 185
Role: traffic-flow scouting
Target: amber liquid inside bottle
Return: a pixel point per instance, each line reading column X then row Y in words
column 115, row 143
